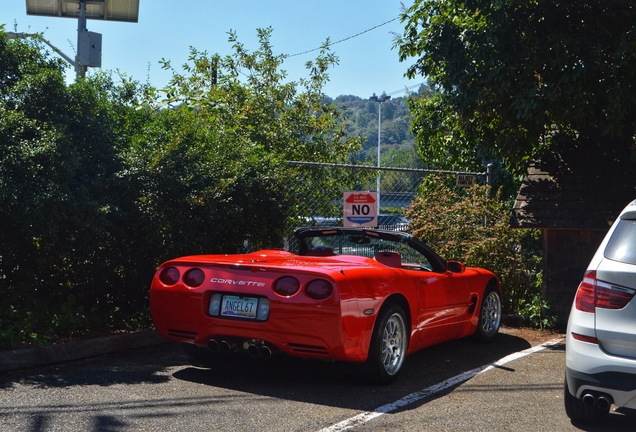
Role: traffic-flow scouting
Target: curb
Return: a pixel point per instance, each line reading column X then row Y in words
column 77, row 350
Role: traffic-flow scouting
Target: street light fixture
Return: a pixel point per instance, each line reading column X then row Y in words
column 379, row 99
column 13, row 35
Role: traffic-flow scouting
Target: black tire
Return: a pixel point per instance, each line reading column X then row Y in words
column 489, row 315
column 389, row 345
column 579, row 412
column 197, row 353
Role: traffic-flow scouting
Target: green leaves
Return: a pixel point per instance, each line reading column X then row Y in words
column 510, row 73
column 63, row 206
column 247, row 93
column 100, row 181
column 200, row 189
column 221, row 150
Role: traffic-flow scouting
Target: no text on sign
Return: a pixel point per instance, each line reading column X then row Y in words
column 360, row 209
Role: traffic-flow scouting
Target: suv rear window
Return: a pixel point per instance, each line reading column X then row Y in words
column 622, row 245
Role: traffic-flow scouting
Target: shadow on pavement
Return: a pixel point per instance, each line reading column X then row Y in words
column 342, row 385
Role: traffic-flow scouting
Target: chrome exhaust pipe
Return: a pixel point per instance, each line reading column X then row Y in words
column 225, row 347
column 589, row 399
column 253, row 350
column 603, row 402
column 213, row 345
column 265, row 352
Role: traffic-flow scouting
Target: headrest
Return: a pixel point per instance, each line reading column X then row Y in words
column 391, row 259
column 320, row 251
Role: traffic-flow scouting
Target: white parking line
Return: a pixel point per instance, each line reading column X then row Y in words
column 414, row 397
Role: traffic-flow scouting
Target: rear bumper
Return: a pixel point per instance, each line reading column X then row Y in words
column 590, row 369
column 297, row 344
column 609, row 381
column 298, row 330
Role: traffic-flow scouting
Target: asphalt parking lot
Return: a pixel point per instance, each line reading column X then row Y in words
column 514, row 383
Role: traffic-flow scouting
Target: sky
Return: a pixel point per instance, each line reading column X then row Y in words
column 358, row 30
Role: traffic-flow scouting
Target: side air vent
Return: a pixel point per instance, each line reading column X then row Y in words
column 182, row 334
column 308, row 349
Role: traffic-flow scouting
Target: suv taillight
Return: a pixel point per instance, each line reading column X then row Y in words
column 593, row 293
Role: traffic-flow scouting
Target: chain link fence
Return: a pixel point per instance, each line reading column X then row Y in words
column 320, row 189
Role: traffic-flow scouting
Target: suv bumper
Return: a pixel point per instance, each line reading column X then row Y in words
column 590, row 369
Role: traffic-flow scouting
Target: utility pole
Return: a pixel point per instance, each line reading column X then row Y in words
column 379, row 100
column 82, row 32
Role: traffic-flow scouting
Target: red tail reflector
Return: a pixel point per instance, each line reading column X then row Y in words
column 593, row 293
column 287, row 286
column 319, row 289
column 611, row 296
column 169, row 276
column 586, row 294
column 194, row 277
column 583, row 338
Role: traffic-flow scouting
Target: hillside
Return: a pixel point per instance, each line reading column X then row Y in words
column 397, row 143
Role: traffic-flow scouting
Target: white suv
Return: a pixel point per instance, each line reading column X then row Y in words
column 600, row 361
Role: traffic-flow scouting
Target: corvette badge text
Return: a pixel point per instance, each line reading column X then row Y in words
column 236, row 282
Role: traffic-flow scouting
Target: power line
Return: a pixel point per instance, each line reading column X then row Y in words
column 354, row 36
column 406, row 88
column 346, row 39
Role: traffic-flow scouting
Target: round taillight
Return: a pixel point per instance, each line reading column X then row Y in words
column 169, row 276
column 194, row 277
column 319, row 289
column 287, row 286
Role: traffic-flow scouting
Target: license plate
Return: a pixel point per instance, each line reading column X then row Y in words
column 239, row 307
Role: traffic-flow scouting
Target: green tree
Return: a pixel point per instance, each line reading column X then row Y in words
column 247, row 92
column 99, row 182
column 61, row 212
column 242, row 113
column 202, row 190
column 523, row 80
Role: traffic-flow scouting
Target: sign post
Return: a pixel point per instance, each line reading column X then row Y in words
column 360, row 209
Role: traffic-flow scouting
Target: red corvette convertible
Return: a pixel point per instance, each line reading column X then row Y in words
column 350, row 294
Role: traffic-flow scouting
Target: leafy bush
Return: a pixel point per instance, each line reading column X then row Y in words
column 100, row 182
column 472, row 227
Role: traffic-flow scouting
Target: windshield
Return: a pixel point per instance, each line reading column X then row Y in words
column 368, row 245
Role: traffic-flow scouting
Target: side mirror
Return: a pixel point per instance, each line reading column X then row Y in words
column 455, row 267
